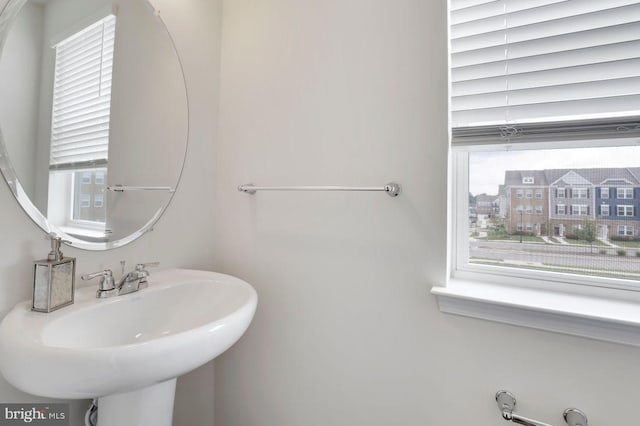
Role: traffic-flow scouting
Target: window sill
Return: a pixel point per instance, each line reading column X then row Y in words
column 84, row 233
column 597, row 318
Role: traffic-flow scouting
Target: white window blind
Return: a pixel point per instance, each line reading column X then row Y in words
column 82, row 97
column 544, row 69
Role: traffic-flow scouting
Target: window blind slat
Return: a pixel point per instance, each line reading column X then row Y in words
column 540, row 95
column 573, row 58
column 81, row 101
column 493, row 8
column 583, row 74
column 566, row 42
column 576, row 12
column 87, row 143
column 77, row 124
column 78, row 108
column 543, row 112
column 463, row 4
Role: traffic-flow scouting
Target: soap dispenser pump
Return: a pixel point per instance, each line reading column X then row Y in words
column 54, row 279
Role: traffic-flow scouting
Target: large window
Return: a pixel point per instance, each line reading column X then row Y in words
column 625, row 210
column 546, row 92
column 80, row 124
column 579, row 193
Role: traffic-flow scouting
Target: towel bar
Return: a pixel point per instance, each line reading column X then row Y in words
column 392, row 189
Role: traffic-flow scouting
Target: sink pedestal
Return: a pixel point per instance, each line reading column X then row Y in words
column 152, row 405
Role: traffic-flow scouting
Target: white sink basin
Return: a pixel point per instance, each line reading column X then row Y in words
column 99, row 347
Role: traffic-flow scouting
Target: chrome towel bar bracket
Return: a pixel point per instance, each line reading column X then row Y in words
column 507, row 403
column 392, row 189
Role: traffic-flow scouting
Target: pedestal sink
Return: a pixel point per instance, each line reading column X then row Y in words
column 127, row 350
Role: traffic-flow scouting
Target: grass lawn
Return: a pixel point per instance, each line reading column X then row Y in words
column 596, row 243
column 501, row 235
column 632, row 244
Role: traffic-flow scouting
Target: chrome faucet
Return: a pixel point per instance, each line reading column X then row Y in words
column 129, row 283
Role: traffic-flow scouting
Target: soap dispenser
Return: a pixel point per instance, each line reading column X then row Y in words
column 54, row 279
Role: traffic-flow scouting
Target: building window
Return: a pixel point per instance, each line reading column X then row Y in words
column 529, row 193
column 625, row 211
column 538, row 209
column 579, row 193
column 562, row 209
column 604, row 193
column 88, row 199
column 520, row 102
column 625, row 230
column 624, row 193
column 519, row 193
column 98, row 200
column 85, row 178
column 529, row 227
column 85, row 201
column 579, row 210
column 539, row 194
column 604, row 210
column 529, row 210
column 99, row 178
column 527, row 180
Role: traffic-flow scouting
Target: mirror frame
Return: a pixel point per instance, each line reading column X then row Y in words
column 7, row 16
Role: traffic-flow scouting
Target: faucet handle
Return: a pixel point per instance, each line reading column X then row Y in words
column 107, row 283
column 142, row 266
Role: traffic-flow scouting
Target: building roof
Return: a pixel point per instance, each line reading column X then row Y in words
column 484, row 198
column 595, row 176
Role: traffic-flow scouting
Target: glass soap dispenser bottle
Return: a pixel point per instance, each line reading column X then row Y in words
column 54, row 279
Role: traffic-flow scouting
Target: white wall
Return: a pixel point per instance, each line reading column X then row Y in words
column 353, row 92
column 178, row 237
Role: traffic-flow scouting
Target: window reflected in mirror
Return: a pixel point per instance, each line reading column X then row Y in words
column 80, row 127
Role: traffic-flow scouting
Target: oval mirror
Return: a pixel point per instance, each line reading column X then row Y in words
column 93, row 116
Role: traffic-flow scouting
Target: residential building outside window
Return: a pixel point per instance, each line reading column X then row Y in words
column 562, row 209
column 539, row 194
column 604, row 210
column 604, row 193
column 538, row 209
